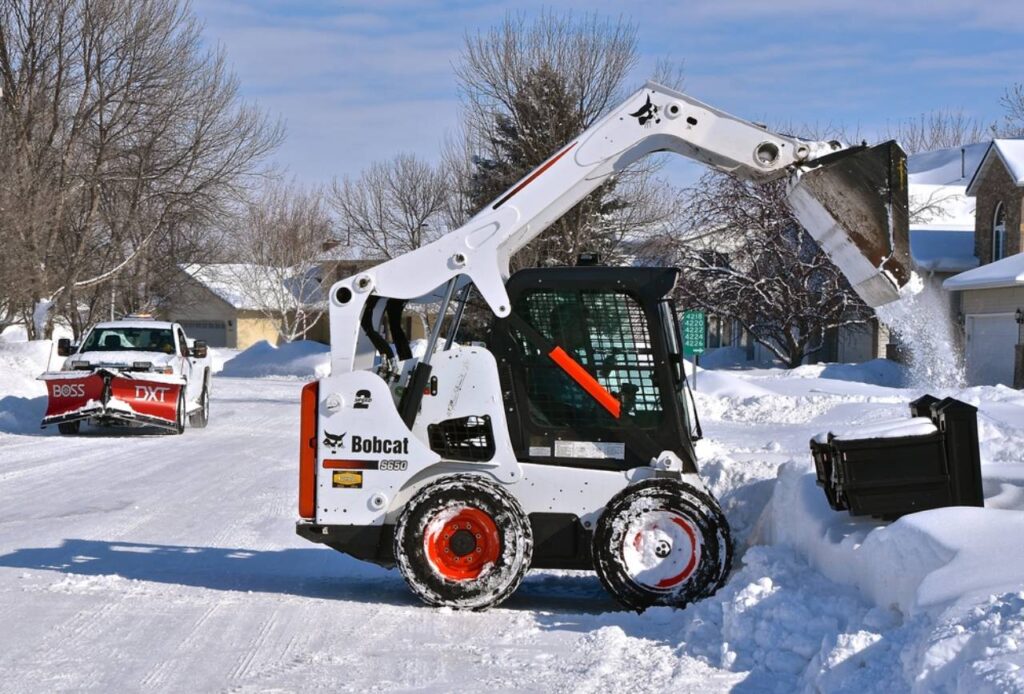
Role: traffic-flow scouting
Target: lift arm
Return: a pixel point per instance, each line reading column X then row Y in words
column 851, row 200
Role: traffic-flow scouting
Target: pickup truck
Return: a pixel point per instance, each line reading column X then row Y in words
column 130, row 372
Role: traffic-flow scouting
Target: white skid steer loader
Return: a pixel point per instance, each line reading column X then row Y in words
column 566, row 441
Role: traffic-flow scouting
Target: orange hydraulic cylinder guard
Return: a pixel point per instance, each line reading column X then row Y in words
column 307, row 449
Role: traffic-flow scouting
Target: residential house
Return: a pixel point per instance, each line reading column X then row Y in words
column 226, row 304
column 941, row 245
column 216, row 303
column 990, row 298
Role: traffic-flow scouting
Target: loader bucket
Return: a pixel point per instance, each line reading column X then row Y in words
column 854, row 204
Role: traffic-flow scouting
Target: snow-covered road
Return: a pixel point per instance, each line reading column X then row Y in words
column 150, row 562
column 134, row 562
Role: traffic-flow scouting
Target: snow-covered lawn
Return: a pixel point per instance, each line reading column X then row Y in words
column 146, row 562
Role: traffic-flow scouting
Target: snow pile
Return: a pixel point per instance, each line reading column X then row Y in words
column 931, row 566
column 878, row 372
column 302, row 359
column 219, row 356
column 920, row 318
column 915, row 426
column 22, row 397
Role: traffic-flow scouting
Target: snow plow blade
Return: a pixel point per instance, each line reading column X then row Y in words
column 854, row 204
column 111, row 396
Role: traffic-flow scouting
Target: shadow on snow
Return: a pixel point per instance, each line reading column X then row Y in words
column 316, row 572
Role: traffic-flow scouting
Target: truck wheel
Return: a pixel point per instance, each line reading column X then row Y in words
column 69, row 428
column 179, row 415
column 463, row 542
column 201, row 418
column 662, row 542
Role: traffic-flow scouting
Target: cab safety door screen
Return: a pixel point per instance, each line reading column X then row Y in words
column 68, row 395
column 148, row 398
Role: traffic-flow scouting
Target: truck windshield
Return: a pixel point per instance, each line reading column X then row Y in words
column 129, row 340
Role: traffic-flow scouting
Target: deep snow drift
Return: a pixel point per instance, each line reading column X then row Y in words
column 139, row 561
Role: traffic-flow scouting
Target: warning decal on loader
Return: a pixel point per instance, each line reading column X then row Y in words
column 347, row 479
column 590, row 449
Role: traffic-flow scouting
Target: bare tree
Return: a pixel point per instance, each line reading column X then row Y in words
column 122, row 130
column 750, row 261
column 939, row 129
column 528, row 88
column 394, row 207
column 280, row 240
column 1012, row 102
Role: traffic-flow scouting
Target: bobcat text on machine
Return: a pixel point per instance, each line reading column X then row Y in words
column 566, row 441
column 134, row 371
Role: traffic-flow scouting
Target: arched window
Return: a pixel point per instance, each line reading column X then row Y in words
column 999, row 232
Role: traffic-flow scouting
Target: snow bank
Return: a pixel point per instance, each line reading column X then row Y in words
column 924, row 562
column 302, row 359
column 915, row 426
column 878, row 372
column 720, row 384
column 219, row 356
column 22, row 397
column 21, row 363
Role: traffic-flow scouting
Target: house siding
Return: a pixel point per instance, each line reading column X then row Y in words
column 1002, row 300
column 994, row 185
column 194, row 302
column 253, row 327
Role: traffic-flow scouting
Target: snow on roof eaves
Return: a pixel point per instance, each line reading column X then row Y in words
column 1011, row 153
column 242, row 288
column 943, row 167
column 1008, row 272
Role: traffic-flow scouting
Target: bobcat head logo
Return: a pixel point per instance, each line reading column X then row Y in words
column 647, row 113
column 334, row 441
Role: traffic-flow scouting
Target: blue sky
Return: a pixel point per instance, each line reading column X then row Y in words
column 362, row 81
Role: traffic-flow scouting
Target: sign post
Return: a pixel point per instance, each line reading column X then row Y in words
column 694, row 338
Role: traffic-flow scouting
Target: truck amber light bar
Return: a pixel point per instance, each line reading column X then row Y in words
column 587, row 382
column 307, row 449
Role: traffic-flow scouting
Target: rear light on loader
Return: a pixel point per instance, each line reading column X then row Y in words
column 307, row 449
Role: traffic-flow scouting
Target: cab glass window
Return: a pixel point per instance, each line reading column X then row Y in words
column 607, row 332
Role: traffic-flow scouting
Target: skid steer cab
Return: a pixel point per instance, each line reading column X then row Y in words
column 564, row 441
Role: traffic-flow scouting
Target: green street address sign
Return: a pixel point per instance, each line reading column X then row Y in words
column 694, row 335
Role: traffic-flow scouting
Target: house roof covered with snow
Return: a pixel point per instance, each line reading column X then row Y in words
column 1008, row 151
column 251, row 287
column 943, row 250
column 942, row 232
column 1008, row 272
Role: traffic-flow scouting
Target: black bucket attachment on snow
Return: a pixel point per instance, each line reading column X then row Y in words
column 854, row 204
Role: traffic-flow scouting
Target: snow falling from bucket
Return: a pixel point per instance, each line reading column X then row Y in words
column 921, row 321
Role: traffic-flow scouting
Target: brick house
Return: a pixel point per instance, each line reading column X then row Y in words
column 991, row 297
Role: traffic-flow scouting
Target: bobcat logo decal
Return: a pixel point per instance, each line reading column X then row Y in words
column 647, row 113
column 334, row 441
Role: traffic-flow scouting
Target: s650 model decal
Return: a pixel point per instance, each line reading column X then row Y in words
column 389, row 465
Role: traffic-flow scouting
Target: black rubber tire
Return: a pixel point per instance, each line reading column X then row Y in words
column 697, row 508
column 199, row 419
column 69, row 428
column 449, row 494
column 179, row 419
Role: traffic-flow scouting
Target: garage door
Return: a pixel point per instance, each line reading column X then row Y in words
column 213, row 332
column 990, row 344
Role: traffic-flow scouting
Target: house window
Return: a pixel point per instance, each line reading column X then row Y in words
column 999, row 232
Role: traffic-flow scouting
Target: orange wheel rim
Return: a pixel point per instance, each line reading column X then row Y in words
column 462, row 544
